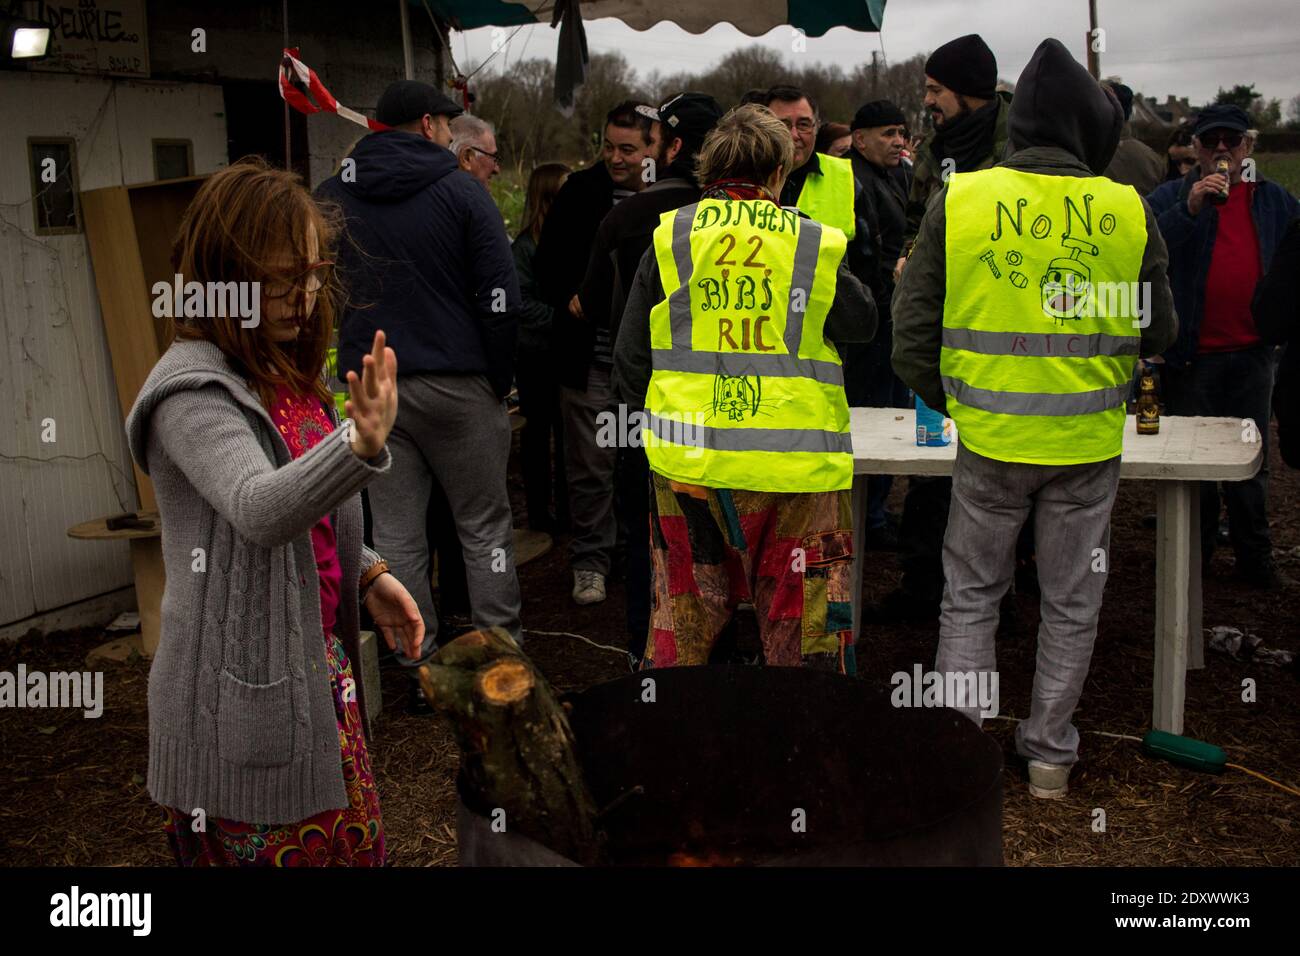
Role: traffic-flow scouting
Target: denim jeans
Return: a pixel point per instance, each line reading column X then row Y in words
column 1240, row 385
column 991, row 501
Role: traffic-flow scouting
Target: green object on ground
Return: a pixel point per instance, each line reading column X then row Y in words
column 1185, row 751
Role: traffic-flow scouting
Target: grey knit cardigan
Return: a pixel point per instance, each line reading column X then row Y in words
column 241, row 715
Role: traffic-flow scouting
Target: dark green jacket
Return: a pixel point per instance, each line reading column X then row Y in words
column 919, row 298
column 927, row 175
column 536, row 317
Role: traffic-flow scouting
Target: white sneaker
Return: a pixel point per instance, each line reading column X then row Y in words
column 588, row 587
column 1048, row 781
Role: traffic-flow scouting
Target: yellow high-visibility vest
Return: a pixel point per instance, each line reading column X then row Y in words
column 745, row 392
column 828, row 197
column 1043, row 314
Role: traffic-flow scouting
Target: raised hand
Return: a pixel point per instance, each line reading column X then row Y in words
column 372, row 402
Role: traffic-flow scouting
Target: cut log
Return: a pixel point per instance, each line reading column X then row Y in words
column 517, row 752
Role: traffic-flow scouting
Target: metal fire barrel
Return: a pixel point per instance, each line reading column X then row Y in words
column 769, row 766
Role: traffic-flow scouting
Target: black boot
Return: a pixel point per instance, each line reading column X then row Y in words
column 417, row 705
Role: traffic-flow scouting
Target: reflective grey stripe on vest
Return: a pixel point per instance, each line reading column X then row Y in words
column 1036, row 403
column 805, row 271
column 679, row 302
column 1040, row 344
column 748, row 439
column 746, row 363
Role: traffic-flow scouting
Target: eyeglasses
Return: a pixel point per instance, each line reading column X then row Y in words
column 495, row 157
column 307, row 282
column 1213, row 138
column 803, row 124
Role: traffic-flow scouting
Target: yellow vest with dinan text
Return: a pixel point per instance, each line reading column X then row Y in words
column 1043, row 313
column 745, row 391
column 828, row 197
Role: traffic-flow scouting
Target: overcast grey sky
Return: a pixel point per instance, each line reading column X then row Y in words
column 1188, row 48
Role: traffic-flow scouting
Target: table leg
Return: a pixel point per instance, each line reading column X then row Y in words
column 859, row 545
column 1195, row 631
column 147, row 563
column 1174, row 569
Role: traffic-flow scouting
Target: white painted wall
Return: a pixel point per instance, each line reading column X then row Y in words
column 54, row 360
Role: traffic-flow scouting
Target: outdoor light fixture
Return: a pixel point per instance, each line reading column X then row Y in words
column 24, row 39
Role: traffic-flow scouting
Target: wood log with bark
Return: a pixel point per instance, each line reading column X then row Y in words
column 517, row 748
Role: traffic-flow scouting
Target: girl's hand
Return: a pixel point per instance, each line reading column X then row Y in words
column 394, row 611
column 372, row 404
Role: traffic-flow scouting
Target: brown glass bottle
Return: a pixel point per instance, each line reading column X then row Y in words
column 1148, row 406
column 1222, row 167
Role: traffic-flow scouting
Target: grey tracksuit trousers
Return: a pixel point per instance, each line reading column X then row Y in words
column 1071, row 505
column 454, row 428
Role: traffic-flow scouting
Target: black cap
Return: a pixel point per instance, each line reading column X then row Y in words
column 1125, row 96
column 1222, row 116
column 408, row 100
column 688, row 115
column 878, row 113
column 965, row 65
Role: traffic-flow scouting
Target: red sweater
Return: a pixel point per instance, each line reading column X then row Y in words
column 1234, row 272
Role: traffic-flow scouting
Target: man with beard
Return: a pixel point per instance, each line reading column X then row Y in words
column 587, row 350
column 970, row 133
column 681, row 124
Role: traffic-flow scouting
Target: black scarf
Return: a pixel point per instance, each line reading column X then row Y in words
column 969, row 139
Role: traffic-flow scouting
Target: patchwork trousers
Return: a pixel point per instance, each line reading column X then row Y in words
column 790, row 555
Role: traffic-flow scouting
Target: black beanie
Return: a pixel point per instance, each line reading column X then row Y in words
column 965, row 65
column 1058, row 103
column 878, row 113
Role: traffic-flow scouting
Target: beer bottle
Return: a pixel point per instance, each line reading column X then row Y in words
column 1148, row 407
column 1222, row 167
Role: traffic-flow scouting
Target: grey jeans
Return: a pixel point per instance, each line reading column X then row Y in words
column 1071, row 505
column 453, row 428
column 590, row 472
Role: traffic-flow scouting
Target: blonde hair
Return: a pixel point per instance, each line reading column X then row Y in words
column 749, row 144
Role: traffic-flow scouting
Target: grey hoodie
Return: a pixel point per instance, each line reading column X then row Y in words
column 241, row 715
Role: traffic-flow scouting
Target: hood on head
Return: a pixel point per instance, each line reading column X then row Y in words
column 1058, row 103
column 393, row 165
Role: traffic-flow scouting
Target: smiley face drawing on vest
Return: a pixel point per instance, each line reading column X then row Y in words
column 1066, row 285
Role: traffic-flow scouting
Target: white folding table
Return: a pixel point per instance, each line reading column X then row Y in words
column 1186, row 451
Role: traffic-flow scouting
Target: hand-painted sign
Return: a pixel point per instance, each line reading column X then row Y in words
column 96, row 36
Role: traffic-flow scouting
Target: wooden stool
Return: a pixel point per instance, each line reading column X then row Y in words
column 146, row 563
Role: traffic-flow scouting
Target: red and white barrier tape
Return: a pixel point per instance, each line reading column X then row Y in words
column 298, row 80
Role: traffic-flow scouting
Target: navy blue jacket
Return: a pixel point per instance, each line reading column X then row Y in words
column 424, row 257
column 1190, row 240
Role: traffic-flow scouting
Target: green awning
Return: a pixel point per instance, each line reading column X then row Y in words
column 753, row 17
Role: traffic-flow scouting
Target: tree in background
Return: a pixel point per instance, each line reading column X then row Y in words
column 1264, row 114
column 530, row 130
